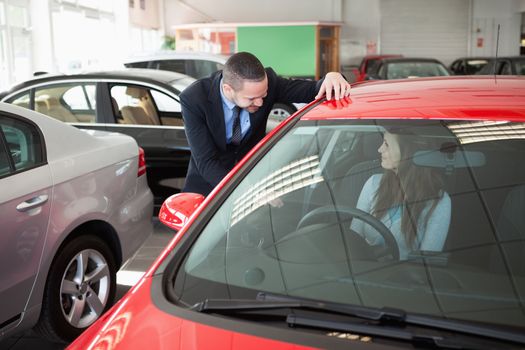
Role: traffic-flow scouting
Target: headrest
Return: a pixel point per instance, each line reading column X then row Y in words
column 135, row 92
column 40, row 105
column 52, row 101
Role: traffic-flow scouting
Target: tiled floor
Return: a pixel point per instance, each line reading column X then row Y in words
column 126, row 277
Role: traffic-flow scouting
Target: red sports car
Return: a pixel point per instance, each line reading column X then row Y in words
column 393, row 219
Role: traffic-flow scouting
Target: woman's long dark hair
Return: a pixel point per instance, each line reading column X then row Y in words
column 412, row 188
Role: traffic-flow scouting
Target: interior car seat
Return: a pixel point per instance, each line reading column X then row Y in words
column 41, row 106
column 135, row 115
column 56, row 110
column 116, row 112
column 145, row 103
column 348, row 189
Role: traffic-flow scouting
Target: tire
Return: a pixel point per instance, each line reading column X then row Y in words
column 281, row 111
column 74, row 298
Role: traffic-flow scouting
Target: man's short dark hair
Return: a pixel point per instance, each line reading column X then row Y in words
column 242, row 66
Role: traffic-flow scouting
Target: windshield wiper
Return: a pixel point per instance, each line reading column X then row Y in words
column 268, row 301
column 383, row 317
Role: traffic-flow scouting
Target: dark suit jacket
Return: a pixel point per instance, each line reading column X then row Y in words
column 211, row 158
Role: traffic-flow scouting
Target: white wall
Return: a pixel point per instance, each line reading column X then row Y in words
column 360, row 32
column 197, row 11
column 486, row 15
column 521, row 5
column 43, row 48
column 361, row 20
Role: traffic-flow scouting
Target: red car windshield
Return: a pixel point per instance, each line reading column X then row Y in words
column 423, row 216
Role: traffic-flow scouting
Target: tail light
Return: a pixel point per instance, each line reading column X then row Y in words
column 142, row 162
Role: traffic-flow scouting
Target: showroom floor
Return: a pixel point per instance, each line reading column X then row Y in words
column 126, row 277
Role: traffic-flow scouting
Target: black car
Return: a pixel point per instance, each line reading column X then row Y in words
column 514, row 65
column 402, row 68
column 200, row 65
column 468, row 65
column 142, row 103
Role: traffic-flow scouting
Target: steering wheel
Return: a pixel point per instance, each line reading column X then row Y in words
column 345, row 214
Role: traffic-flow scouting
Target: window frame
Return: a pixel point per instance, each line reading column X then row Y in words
column 40, row 147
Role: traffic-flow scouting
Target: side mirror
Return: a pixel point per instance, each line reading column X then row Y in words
column 177, row 209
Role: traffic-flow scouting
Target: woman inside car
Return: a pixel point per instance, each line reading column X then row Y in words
column 407, row 198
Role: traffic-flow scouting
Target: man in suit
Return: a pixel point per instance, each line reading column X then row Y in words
column 225, row 114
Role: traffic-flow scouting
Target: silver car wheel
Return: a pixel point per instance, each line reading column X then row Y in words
column 85, row 288
column 279, row 114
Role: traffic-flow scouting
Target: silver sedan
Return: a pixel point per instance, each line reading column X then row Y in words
column 74, row 206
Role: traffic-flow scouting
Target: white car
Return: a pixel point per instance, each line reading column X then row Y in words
column 195, row 64
column 74, row 206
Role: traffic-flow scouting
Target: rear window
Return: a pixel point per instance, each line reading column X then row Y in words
column 137, row 64
column 415, row 69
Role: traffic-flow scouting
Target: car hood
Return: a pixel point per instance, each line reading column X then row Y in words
column 136, row 323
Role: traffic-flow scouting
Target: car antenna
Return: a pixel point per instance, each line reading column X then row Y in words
column 496, row 58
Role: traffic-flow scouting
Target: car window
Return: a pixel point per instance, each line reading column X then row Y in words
column 5, row 166
column 164, row 102
column 23, row 143
column 174, row 65
column 81, row 97
column 291, row 225
column 202, row 68
column 456, row 67
column 504, row 68
column 67, row 102
column 404, row 70
column 134, row 105
column 381, row 70
column 371, row 65
column 169, row 109
column 474, row 66
column 22, row 100
column 519, row 66
column 137, row 64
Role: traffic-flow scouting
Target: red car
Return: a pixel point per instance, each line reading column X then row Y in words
column 367, row 65
column 393, row 219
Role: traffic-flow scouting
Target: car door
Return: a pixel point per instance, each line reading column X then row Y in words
column 153, row 117
column 25, row 201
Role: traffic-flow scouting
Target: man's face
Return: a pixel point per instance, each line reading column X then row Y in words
column 250, row 96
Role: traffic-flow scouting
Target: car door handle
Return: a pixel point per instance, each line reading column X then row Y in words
column 32, row 203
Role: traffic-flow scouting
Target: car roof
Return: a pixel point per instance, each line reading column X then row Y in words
column 492, row 59
column 144, row 75
column 455, row 97
column 170, row 55
column 473, row 58
column 512, row 58
column 409, row 59
column 375, row 57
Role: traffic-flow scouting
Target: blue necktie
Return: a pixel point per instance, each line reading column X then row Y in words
column 236, row 129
